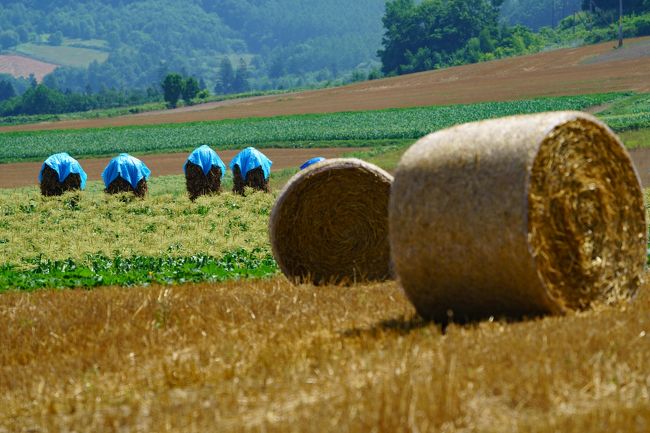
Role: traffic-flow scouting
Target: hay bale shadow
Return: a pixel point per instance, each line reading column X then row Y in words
column 254, row 179
column 50, row 185
column 198, row 184
column 119, row 185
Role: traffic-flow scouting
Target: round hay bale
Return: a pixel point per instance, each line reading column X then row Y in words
column 526, row 215
column 330, row 224
column 120, row 185
column 51, row 186
column 198, row 183
column 254, row 179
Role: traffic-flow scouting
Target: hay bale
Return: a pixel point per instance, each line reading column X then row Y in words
column 198, row 183
column 51, row 186
column 254, row 179
column 518, row 216
column 330, row 223
column 120, row 185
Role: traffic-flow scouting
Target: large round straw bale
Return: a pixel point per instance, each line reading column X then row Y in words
column 518, row 216
column 120, row 185
column 254, row 179
column 330, row 223
column 198, row 183
column 51, row 186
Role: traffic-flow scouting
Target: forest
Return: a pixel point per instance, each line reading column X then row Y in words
column 234, row 46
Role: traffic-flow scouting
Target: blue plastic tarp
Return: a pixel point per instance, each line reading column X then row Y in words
column 312, row 162
column 64, row 165
column 127, row 167
column 205, row 158
column 250, row 159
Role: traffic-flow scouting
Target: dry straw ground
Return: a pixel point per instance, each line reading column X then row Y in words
column 270, row 356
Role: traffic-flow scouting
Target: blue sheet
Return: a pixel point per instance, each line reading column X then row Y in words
column 205, row 158
column 64, row 165
column 312, row 162
column 127, row 167
column 250, row 159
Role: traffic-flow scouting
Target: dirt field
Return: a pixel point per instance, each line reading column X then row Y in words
column 589, row 69
column 20, row 66
column 26, row 173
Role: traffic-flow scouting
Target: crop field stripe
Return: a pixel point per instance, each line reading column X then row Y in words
column 284, row 131
column 99, row 270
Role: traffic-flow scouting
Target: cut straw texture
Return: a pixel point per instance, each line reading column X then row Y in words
column 517, row 216
column 198, row 183
column 330, row 224
column 254, row 179
column 120, row 185
column 50, row 185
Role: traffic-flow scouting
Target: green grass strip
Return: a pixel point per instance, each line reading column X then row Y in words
column 100, row 270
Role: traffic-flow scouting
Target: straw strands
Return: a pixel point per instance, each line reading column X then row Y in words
column 517, row 216
column 120, row 185
column 51, row 186
column 198, row 183
column 330, row 223
column 254, row 179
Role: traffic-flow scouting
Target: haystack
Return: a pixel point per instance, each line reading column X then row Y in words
column 251, row 168
column 199, row 184
column 51, row 186
column 203, row 172
column 120, row 185
column 61, row 173
column 330, row 224
column 125, row 173
column 518, row 216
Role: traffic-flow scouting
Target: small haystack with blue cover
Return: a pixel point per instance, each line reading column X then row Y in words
column 250, row 168
column 312, row 162
column 125, row 173
column 203, row 172
column 60, row 173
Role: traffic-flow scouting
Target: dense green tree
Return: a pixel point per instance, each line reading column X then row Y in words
column 172, row 87
column 240, row 83
column 226, row 77
column 7, row 90
column 55, row 38
column 8, row 39
column 190, row 89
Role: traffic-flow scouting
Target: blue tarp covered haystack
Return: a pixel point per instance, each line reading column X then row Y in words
column 250, row 167
column 125, row 173
column 203, row 172
column 60, row 173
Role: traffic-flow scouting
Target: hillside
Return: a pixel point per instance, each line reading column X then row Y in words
column 282, row 42
column 583, row 70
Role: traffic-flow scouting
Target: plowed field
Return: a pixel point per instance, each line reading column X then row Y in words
column 573, row 71
column 20, row 66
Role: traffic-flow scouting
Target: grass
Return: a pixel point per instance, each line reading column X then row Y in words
column 62, row 55
column 284, row 131
column 252, row 356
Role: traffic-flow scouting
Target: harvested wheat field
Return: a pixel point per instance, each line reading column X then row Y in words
column 269, row 356
column 570, row 71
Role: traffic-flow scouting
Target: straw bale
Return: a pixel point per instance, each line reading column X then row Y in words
column 330, row 224
column 254, row 179
column 120, row 185
column 520, row 216
column 50, row 185
column 198, row 183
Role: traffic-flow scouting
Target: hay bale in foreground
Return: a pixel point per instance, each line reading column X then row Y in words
column 330, row 223
column 518, row 216
column 120, row 185
column 198, row 183
column 51, row 186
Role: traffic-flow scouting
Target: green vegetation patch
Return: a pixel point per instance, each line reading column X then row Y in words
column 284, row 131
column 62, row 55
column 99, row 270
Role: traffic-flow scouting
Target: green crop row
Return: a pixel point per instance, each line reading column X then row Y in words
column 99, row 270
column 285, row 131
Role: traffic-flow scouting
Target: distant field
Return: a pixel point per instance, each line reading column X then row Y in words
column 20, row 66
column 62, row 55
column 285, row 131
